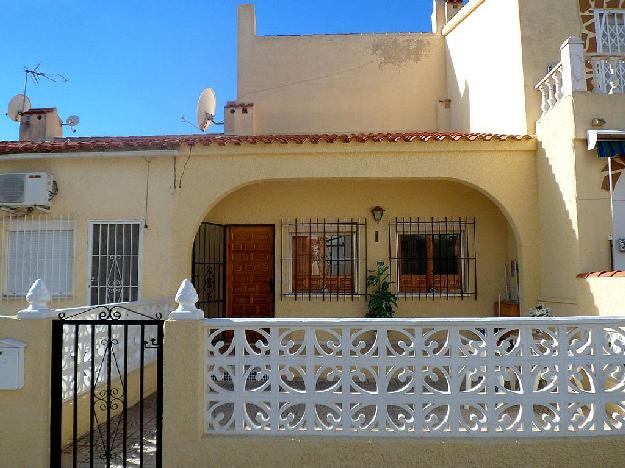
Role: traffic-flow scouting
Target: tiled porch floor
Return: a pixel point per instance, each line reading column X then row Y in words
column 132, row 458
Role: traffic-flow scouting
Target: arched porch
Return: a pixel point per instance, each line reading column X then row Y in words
column 450, row 249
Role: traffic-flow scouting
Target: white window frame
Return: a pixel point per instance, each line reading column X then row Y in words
column 31, row 225
column 92, row 222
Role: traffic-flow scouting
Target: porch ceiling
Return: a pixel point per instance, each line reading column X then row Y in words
column 173, row 142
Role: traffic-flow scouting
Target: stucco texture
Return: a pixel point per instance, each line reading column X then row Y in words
column 336, row 83
column 25, row 413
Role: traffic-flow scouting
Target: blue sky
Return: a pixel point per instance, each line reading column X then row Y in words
column 135, row 67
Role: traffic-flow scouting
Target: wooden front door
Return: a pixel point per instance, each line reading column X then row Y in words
column 250, row 280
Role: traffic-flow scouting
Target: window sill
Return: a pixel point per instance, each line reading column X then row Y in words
column 326, row 295
column 401, row 295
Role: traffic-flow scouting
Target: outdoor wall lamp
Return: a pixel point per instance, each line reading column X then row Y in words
column 378, row 213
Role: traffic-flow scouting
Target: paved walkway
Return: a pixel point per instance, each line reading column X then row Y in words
column 132, row 445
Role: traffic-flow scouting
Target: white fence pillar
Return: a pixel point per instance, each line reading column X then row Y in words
column 573, row 66
column 38, row 298
column 186, row 297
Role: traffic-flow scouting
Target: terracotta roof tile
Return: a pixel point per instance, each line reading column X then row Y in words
column 603, row 274
column 167, row 142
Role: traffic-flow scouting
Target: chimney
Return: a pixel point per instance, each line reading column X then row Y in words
column 40, row 125
column 239, row 118
column 442, row 13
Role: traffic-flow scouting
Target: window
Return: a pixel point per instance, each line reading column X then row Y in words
column 323, row 263
column 434, row 257
column 610, row 27
column 39, row 248
column 324, row 259
column 115, row 261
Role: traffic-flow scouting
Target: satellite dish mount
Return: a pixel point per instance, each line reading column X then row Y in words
column 206, row 110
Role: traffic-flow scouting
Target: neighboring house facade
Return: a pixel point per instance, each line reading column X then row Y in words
column 481, row 200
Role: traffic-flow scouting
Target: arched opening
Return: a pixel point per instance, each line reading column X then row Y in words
column 304, row 248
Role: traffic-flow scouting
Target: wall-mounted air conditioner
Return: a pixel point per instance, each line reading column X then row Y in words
column 27, row 190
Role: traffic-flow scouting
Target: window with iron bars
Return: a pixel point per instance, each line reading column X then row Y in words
column 36, row 247
column 610, row 28
column 433, row 257
column 323, row 260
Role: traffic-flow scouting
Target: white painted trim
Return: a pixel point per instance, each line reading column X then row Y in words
column 141, row 224
column 594, row 136
column 463, row 14
column 473, row 322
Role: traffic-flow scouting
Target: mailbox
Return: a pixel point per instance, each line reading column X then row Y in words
column 11, row 364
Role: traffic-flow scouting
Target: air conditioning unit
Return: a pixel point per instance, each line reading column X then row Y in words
column 26, row 190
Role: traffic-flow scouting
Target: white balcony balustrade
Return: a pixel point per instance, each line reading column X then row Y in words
column 566, row 77
column 569, row 75
column 416, row 378
column 608, row 73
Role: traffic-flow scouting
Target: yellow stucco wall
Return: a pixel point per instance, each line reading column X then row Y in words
column 25, row 413
column 115, row 188
column 336, row 83
column 485, row 68
column 574, row 210
column 272, row 202
column 557, row 190
column 601, row 296
column 545, row 25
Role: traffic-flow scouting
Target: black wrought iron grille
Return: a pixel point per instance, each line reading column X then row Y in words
column 433, row 257
column 106, row 389
column 209, row 269
column 324, row 259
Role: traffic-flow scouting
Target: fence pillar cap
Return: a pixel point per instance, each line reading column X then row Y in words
column 38, row 298
column 571, row 40
column 186, row 297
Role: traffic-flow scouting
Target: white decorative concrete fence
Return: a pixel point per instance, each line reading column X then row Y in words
column 608, row 73
column 419, row 378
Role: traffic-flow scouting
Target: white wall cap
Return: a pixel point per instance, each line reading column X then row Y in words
column 11, row 343
column 38, row 298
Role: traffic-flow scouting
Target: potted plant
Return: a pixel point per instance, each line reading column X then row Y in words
column 540, row 311
column 382, row 301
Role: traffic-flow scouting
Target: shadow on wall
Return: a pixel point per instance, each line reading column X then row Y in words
column 563, row 245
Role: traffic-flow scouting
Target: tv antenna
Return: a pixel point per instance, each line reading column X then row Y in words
column 36, row 75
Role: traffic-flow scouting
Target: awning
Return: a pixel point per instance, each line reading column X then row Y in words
column 608, row 143
column 610, row 149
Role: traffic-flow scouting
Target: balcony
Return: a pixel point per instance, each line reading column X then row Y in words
column 569, row 75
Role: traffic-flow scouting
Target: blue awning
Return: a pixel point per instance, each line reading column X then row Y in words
column 611, row 148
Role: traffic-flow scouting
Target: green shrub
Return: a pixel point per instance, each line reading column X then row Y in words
column 382, row 301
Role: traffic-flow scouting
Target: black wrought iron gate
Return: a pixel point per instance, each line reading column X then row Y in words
column 107, row 389
column 209, row 269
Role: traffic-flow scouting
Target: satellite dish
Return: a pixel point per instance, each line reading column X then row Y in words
column 206, row 109
column 17, row 106
column 72, row 120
